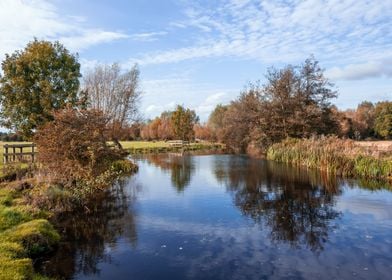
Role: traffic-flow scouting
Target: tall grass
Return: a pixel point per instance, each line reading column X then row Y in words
column 334, row 155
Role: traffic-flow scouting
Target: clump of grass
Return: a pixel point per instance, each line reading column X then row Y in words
column 36, row 236
column 334, row 155
column 124, row 166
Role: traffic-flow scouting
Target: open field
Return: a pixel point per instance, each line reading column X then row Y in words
column 143, row 144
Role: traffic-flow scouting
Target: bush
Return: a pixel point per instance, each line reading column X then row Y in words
column 73, row 150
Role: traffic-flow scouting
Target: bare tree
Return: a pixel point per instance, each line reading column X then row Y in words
column 114, row 92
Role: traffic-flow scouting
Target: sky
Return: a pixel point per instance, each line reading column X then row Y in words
column 203, row 52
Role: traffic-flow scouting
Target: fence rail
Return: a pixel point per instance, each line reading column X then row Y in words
column 16, row 153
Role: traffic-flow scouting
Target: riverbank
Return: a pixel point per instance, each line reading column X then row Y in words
column 26, row 206
column 336, row 156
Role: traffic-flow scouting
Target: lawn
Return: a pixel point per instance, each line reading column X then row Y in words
column 143, row 144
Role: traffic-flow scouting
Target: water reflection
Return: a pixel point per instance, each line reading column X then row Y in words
column 89, row 236
column 236, row 218
column 180, row 167
column 297, row 206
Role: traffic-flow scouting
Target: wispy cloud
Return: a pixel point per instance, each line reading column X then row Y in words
column 148, row 36
column 21, row 21
column 344, row 32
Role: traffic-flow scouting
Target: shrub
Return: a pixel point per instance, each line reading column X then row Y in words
column 73, row 150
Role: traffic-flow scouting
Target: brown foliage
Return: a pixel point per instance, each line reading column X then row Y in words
column 202, row 132
column 73, row 150
column 158, row 129
column 293, row 103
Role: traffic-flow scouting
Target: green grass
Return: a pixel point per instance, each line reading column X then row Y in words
column 143, row 144
column 23, row 234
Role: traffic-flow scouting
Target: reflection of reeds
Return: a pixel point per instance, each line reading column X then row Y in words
column 333, row 155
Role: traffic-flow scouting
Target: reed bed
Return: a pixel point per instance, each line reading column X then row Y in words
column 337, row 156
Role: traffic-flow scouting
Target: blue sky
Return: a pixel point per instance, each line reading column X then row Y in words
column 201, row 53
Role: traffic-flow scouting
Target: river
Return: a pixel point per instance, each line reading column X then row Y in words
column 228, row 217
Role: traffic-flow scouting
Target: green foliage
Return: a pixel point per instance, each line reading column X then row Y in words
column 124, row 166
column 333, row 155
column 37, row 80
column 383, row 121
column 183, row 121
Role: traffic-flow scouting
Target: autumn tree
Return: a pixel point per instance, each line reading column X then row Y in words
column 114, row 92
column 203, row 132
column 36, row 81
column 241, row 123
column 294, row 102
column 160, row 128
column 383, row 119
column 215, row 121
column 183, row 121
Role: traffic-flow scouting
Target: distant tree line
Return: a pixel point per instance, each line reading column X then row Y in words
column 10, row 137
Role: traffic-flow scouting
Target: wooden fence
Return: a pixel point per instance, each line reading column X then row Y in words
column 18, row 153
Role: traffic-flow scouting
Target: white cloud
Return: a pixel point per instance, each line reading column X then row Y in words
column 21, row 21
column 372, row 69
column 148, row 36
column 164, row 93
column 342, row 32
column 208, row 105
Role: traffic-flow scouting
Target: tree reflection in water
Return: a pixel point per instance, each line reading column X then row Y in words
column 297, row 205
column 180, row 167
column 89, row 236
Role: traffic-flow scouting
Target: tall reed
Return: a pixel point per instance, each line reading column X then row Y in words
column 334, row 155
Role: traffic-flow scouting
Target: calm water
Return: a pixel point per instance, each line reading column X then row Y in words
column 229, row 217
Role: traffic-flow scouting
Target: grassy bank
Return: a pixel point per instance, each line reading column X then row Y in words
column 25, row 206
column 24, row 234
column 337, row 156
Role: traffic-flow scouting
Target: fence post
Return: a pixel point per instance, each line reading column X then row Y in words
column 5, row 153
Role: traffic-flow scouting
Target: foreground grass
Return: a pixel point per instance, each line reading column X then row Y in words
column 24, row 234
column 337, row 156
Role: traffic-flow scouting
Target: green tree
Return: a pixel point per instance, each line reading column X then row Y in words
column 183, row 121
column 36, row 81
column 383, row 119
